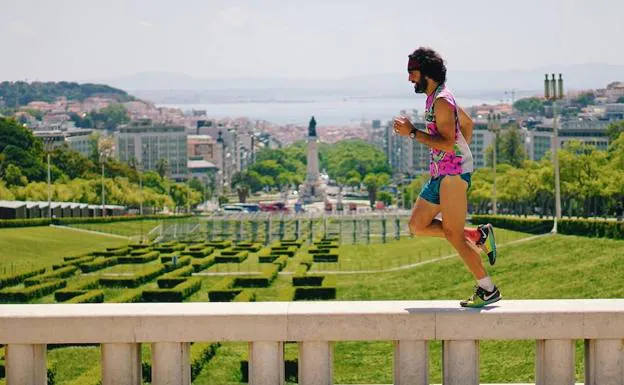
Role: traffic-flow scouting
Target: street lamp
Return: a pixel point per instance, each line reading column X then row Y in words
column 553, row 91
column 494, row 125
column 102, row 157
column 48, row 146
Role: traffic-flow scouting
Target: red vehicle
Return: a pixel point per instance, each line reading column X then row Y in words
column 274, row 207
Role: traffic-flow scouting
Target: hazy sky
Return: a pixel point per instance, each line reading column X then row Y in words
column 88, row 39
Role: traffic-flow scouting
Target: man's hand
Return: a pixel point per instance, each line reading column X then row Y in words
column 402, row 126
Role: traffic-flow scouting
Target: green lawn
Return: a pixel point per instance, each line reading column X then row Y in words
column 546, row 267
column 33, row 247
column 125, row 228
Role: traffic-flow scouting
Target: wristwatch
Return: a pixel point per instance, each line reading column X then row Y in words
column 413, row 133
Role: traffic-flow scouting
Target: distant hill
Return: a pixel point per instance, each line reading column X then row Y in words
column 50, row 91
column 164, row 87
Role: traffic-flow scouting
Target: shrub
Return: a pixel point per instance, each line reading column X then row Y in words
column 325, row 257
column 177, row 293
column 97, row 264
column 93, row 296
column 220, row 244
column 526, row 225
column 185, row 271
column 327, row 291
column 31, row 292
column 14, row 279
column 74, row 262
column 141, row 258
column 202, row 264
column 54, row 274
column 269, row 273
column 238, row 257
column 132, row 281
column 201, row 253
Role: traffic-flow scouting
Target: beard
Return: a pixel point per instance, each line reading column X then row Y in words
column 421, row 87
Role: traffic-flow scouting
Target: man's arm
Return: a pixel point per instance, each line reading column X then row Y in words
column 465, row 124
column 445, row 122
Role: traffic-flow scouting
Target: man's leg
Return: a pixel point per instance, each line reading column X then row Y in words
column 422, row 222
column 453, row 204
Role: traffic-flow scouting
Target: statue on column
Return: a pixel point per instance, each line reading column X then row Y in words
column 312, row 127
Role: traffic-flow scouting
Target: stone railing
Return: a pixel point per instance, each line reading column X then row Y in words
column 121, row 328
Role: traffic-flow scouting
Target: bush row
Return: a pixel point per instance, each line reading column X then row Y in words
column 97, row 264
column 184, row 288
column 9, row 223
column 74, row 262
column 583, row 227
column 31, row 292
column 244, row 246
column 14, row 279
column 75, row 289
column 199, row 253
column 92, row 296
column 231, row 256
column 170, row 248
column 203, row 263
column 54, row 274
column 112, row 253
column 142, row 258
column 325, row 257
column 133, row 281
column 219, row 244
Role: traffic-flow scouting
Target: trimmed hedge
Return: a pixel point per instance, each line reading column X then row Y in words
column 170, row 249
column 130, row 296
column 317, row 250
column 201, row 253
column 325, row 257
column 74, row 290
column 291, row 242
column 71, row 221
column 31, row 292
column 141, row 258
column 525, row 225
column 314, row 293
column 203, row 263
column 13, row 223
column 582, row 227
column 253, row 247
column 184, row 261
column 112, row 253
column 284, row 250
column 219, row 244
column 132, row 281
column 238, row 257
column 269, row 273
column 93, row 296
column 97, row 264
column 592, row 228
column 308, row 280
column 182, row 289
column 185, row 271
column 267, row 258
column 14, row 279
column 55, row 274
column 74, row 262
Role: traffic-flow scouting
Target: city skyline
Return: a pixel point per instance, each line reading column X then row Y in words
column 80, row 41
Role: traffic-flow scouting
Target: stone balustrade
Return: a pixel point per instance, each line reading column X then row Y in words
column 170, row 327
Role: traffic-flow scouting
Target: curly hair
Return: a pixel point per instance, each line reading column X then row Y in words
column 429, row 63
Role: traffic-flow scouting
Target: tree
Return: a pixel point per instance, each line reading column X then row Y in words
column 373, row 182
column 245, row 181
column 162, row 167
column 614, row 130
column 509, row 148
column 13, row 176
column 534, row 106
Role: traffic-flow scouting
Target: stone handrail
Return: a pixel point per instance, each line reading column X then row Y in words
column 170, row 327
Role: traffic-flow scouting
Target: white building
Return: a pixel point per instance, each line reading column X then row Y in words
column 147, row 144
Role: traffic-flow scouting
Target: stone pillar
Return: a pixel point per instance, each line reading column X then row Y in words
column 121, row 364
column 554, row 362
column 266, row 363
column 411, row 363
column 604, row 362
column 460, row 362
column 170, row 363
column 26, row 364
column 315, row 363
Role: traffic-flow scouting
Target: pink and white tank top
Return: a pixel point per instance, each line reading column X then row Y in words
column 458, row 161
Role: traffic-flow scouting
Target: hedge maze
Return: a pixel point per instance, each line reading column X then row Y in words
column 178, row 271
